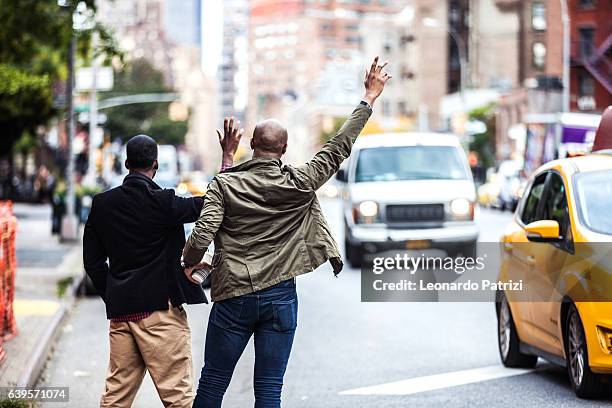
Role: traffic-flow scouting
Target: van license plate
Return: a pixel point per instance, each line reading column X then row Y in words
column 418, row 244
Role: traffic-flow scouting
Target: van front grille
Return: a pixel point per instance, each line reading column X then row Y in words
column 415, row 213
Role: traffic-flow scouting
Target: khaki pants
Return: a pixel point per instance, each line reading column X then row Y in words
column 160, row 344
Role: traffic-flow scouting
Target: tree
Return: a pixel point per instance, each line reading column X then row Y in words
column 137, row 77
column 484, row 143
column 34, row 41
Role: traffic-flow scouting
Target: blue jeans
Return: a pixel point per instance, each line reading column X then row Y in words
column 271, row 316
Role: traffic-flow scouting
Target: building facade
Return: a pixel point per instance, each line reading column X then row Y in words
column 591, row 55
column 291, row 41
column 233, row 72
column 140, row 27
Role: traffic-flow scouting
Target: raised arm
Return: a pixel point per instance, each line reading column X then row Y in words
column 232, row 133
column 327, row 161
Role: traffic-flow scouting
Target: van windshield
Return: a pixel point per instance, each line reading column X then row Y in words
column 410, row 163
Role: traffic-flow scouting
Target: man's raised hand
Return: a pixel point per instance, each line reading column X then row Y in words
column 229, row 141
column 375, row 80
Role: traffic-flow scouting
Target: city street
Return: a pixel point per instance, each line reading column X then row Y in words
column 435, row 118
column 433, row 354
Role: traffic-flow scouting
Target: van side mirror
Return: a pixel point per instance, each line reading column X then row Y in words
column 543, row 231
column 342, row 176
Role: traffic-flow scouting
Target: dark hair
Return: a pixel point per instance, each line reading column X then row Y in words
column 141, row 152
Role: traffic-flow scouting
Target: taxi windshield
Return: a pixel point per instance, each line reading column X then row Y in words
column 594, row 190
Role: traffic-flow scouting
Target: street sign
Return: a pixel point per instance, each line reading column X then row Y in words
column 84, row 116
column 84, row 79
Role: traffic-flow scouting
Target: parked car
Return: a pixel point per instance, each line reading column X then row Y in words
column 510, row 183
column 554, row 244
column 408, row 191
column 488, row 193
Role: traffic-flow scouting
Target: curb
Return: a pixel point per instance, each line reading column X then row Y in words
column 37, row 361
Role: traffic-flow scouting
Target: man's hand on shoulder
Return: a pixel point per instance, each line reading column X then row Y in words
column 375, row 80
column 229, row 141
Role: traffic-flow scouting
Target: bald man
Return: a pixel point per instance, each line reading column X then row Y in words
column 268, row 228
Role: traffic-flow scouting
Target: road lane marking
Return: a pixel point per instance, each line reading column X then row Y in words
column 439, row 381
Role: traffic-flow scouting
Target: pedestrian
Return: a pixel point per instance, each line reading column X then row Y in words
column 138, row 227
column 268, row 228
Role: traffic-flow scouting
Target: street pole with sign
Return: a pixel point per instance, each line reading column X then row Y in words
column 69, row 221
column 79, row 20
column 93, row 112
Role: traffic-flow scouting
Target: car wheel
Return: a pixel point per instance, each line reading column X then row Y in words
column 508, row 340
column 585, row 383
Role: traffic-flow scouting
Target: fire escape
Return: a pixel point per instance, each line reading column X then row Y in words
column 599, row 63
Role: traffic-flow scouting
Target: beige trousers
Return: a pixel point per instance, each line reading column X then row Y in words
column 159, row 344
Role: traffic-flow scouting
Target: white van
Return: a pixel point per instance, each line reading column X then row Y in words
column 408, row 191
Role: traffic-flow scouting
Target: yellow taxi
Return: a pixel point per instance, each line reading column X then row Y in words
column 193, row 184
column 559, row 245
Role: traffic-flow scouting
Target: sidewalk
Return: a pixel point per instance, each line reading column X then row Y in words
column 47, row 272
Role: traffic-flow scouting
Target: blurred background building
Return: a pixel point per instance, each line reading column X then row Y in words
column 487, row 70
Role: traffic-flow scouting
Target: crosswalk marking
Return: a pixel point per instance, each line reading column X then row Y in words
column 438, row 381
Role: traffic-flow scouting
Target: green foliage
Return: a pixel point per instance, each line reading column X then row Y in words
column 166, row 131
column 484, row 143
column 15, row 404
column 25, row 103
column 337, row 124
column 35, row 39
column 139, row 76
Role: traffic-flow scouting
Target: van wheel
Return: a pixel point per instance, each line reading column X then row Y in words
column 585, row 383
column 508, row 340
column 469, row 250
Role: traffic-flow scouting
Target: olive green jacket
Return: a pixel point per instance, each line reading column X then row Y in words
column 266, row 220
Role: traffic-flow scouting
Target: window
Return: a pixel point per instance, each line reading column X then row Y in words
column 401, row 108
column 586, row 86
column 555, row 205
column 538, row 52
column 538, row 16
column 530, row 210
column 587, row 37
column 587, row 3
column 593, row 190
column 386, row 108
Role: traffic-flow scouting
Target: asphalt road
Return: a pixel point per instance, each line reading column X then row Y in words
column 422, row 354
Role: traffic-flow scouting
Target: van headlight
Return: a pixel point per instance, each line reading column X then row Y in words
column 366, row 212
column 462, row 208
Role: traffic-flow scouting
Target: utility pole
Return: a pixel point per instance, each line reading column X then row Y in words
column 566, row 55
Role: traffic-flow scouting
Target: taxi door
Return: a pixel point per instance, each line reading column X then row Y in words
column 520, row 260
column 550, row 260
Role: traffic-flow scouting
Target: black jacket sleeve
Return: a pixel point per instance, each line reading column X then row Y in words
column 94, row 254
column 185, row 210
